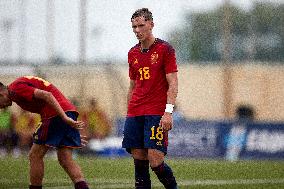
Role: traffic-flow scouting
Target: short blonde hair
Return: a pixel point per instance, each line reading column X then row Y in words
column 143, row 12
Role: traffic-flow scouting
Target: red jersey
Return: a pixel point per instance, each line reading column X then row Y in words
column 149, row 70
column 21, row 91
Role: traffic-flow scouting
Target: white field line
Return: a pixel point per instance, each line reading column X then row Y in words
column 127, row 183
column 231, row 182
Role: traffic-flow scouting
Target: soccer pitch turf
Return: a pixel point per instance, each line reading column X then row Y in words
column 117, row 173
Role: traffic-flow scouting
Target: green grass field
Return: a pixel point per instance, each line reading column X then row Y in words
column 118, row 173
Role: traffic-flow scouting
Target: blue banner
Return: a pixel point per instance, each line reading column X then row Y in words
column 263, row 140
column 230, row 140
column 195, row 139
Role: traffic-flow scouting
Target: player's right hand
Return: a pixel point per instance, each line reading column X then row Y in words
column 75, row 124
column 79, row 125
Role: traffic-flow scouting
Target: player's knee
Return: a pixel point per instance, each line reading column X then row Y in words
column 155, row 158
column 139, row 154
column 34, row 156
column 155, row 162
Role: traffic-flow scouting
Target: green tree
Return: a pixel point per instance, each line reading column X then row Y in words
column 256, row 34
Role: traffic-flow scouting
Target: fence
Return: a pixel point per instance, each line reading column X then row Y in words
column 200, row 87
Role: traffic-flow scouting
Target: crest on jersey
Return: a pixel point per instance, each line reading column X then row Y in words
column 154, row 58
column 136, row 61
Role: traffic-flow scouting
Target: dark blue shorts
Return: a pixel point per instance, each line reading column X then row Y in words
column 55, row 132
column 142, row 132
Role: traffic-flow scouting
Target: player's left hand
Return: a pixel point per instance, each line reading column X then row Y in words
column 166, row 121
column 84, row 141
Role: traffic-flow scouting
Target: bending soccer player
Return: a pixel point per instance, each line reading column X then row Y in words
column 58, row 129
column 151, row 98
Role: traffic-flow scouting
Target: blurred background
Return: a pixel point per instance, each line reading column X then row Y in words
column 231, row 70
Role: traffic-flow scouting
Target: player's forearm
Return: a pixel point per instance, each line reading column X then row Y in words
column 173, row 88
column 172, row 94
column 51, row 100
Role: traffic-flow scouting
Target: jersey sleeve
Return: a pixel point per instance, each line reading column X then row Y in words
column 170, row 60
column 24, row 91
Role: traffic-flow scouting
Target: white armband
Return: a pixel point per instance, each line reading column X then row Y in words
column 169, row 108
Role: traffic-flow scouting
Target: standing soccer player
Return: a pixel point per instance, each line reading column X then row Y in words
column 151, row 98
column 59, row 127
